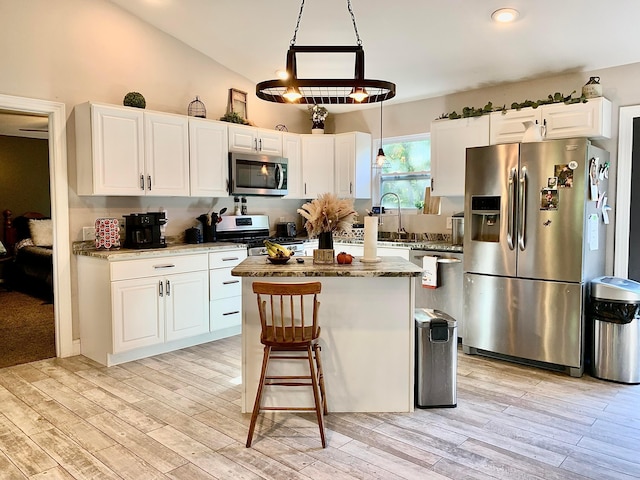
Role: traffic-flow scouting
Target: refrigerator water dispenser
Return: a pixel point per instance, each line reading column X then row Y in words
column 485, row 219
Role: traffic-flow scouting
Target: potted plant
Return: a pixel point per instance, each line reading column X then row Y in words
column 318, row 115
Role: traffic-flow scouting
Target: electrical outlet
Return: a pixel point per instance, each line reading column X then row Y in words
column 449, row 222
column 88, row 233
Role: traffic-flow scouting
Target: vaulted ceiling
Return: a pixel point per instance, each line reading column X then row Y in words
column 427, row 47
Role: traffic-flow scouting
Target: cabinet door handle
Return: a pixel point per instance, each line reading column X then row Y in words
column 161, row 288
column 149, row 181
column 229, row 259
column 305, row 188
column 231, row 313
column 351, row 187
column 168, row 288
column 141, row 182
column 255, row 144
column 229, row 282
column 165, row 265
column 260, row 145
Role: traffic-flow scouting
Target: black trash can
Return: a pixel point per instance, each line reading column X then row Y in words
column 436, row 359
column 615, row 316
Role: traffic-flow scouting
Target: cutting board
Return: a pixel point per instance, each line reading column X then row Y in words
column 431, row 204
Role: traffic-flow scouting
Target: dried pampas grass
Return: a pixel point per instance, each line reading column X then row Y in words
column 328, row 213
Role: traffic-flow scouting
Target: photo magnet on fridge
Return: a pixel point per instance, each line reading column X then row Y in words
column 549, row 199
column 564, row 173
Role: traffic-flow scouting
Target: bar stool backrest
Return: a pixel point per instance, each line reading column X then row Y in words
column 288, row 312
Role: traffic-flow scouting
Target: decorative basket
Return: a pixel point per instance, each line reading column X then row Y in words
column 197, row 109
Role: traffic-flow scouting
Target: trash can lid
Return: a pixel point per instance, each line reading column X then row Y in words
column 424, row 316
column 616, row 289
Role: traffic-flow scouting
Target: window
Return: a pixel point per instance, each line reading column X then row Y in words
column 407, row 171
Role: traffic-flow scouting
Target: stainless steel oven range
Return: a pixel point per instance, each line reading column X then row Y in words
column 253, row 230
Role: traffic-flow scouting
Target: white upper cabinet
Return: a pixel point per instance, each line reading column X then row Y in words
column 109, row 150
column 246, row 139
column 317, row 164
column 353, row 165
column 128, row 151
column 449, row 142
column 166, row 154
column 591, row 119
column 208, row 158
column 508, row 126
column 291, row 150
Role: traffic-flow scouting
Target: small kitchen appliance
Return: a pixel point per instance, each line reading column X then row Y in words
column 457, row 229
column 142, row 230
column 286, row 229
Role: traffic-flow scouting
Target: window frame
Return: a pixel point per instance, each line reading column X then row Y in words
column 378, row 176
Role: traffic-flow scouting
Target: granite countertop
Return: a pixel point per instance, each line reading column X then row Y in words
column 387, row 267
column 88, row 249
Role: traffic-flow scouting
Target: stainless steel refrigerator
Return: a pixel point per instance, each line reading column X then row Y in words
column 534, row 238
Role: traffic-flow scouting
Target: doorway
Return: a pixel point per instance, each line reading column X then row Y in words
column 59, row 211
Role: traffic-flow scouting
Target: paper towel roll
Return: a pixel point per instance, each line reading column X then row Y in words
column 370, row 238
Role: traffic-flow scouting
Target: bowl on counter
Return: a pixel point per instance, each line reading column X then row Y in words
column 278, row 260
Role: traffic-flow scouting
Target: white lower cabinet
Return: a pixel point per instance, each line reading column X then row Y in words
column 134, row 308
column 157, row 309
column 225, row 290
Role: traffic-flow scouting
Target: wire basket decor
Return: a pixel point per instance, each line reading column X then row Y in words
column 197, row 109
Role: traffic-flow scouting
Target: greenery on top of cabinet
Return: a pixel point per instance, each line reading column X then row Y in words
column 488, row 108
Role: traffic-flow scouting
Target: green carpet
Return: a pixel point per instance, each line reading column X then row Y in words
column 27, row 329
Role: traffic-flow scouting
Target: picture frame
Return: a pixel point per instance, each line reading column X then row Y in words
column 238, row 102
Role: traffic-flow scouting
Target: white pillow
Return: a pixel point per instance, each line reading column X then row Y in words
column 41, row 232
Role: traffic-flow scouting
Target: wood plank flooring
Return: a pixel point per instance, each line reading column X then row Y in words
column 177, row 416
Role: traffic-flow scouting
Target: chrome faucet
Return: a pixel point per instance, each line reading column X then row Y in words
column 400, row 229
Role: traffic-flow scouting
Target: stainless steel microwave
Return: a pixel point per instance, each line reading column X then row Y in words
column 251, row 174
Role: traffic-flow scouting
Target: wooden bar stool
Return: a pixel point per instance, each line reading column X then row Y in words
column 282, row 308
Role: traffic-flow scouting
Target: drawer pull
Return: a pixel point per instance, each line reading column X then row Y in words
column 231, row 313
column 165, row 265
column 229, row 282
column 229, row 259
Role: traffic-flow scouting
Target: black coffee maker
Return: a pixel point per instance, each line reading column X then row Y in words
column 142, row 230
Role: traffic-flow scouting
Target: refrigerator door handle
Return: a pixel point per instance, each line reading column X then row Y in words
column 511, row 207
column 523, row 208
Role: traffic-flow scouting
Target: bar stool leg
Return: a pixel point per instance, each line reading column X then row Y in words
column 317, row 349
column 256, row 405
column 316, row 388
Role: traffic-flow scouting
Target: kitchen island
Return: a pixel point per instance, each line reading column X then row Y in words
column 366, row 317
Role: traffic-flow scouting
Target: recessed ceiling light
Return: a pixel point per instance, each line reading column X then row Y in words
column 505, row 15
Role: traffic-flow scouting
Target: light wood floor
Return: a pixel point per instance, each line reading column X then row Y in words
column 177, row 416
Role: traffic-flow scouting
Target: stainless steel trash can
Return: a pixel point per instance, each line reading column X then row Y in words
column 436, row 359
column 615, row 314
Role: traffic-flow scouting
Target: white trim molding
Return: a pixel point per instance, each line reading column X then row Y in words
column 59, row 211
column 623, row 187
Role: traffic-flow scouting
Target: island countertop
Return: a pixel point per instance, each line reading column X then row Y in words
column 259, row 266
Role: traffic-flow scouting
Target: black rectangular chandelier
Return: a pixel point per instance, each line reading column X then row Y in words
column 318, row 91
